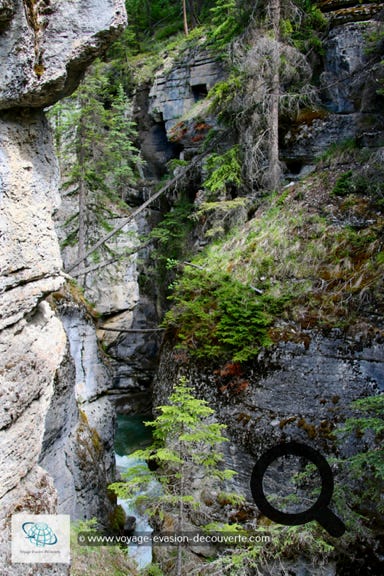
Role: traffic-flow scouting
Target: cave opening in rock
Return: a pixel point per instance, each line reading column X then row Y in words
column 199, row 91
column 157, row 150
column 294, row 167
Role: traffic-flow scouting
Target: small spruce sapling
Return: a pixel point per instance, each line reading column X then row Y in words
column 185, row 446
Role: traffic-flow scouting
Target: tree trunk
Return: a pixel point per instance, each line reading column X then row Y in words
column 274, row 166
column 193, row 12
column 185, row 17
column 81, row 249
column 179, row 564
column 168, row 186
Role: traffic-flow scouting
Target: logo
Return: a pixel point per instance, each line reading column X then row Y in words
column 42, row 538
column 39, row 533
column 319, row 510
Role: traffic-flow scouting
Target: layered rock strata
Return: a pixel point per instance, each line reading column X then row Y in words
column 45, row 46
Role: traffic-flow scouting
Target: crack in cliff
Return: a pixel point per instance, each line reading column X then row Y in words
column 26, row 281
column 37, row 25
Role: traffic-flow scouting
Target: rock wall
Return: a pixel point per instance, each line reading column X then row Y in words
column 79, row 427
column 44, row 46
column 349, row 106
column 47, row 44
column 178, row 86
column 292, row 391
column 297, row 391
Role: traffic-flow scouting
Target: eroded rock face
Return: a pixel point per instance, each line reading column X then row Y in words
column 45, row 46
column 79, row 427
column 32, row 340
column 177, row 89
column 346, row 61
column 31, row 350
column 30, row 259
column 294, row 391
column 350, row 101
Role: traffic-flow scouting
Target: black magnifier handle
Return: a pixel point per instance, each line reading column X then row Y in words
column 330, row 522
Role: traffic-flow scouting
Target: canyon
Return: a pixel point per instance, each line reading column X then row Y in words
column 67, row 369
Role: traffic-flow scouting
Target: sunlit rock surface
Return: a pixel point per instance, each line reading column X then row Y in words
column 45, row 47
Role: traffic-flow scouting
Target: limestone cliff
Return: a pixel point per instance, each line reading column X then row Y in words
column 45, row 46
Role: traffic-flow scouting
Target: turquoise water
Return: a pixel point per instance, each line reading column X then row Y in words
column 131, row 433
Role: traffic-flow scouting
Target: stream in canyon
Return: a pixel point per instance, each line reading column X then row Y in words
column 131, row 435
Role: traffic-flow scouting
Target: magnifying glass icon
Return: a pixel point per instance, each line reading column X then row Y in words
column 319, row 510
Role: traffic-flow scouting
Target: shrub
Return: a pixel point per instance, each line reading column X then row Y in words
column 215, row 315
column 224, row 170
column 367, row 465
column 344, row 184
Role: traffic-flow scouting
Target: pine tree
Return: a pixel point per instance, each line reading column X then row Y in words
column 99, row 162
column 184, row 447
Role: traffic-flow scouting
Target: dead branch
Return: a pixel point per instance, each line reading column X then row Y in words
column 173, row 182
column 131, row 330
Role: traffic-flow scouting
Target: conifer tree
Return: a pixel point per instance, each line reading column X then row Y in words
column 94, row 140
column 184, row 447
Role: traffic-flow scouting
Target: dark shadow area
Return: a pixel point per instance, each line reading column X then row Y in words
column 199, row 91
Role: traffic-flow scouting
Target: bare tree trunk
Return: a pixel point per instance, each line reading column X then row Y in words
column 179, row 563
column 274, row 166
column 81, row 249
column 193, row 12
column 185, row 17
column 169, row 185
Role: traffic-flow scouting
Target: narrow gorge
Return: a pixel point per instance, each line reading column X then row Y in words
column 143, row 241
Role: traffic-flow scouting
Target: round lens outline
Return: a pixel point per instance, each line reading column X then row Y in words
column 319, row 510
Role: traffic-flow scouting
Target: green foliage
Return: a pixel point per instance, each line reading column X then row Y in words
column 344, row 184
column 217, row 217
column 95, row 127
column 278, row 543
column 169, row 30
column 171, row 236
column 305, row 31
column 185, row 445
column 153, row 570
column 367, row 179
column 121, row 157
column 92, row 560
column 227, row 21
column 117, row 519
column 149, row 17
column 223, row 95
column 214, row 315
column 160, row 20
column 175, row 163
column 94, row 136
column 224, row 170
column 367, row 466
column 287, row 263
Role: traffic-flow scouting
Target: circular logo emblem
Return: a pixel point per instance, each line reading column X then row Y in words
column 39, row 533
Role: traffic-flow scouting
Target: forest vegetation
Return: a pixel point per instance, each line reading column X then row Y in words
column 262, row 258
